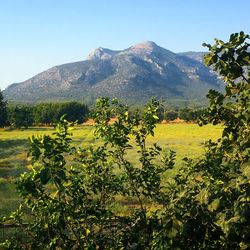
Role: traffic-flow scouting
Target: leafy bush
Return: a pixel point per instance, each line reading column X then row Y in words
column 72, row 205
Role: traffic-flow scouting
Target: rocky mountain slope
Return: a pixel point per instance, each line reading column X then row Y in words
column 133, row 75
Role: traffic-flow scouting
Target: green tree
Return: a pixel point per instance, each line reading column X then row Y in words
column 73, row 205
column 20, row 116
column 186, row 114
column 50, row 113
column 3, row 110
column 210, row 198
column 45, row 113
column 189, row 114
column 73, row 111
column 170, row 115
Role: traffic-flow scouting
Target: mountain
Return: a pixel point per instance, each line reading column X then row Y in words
column 198, row 56
column 133, row 75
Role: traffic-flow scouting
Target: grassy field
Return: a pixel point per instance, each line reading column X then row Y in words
column 186, row 139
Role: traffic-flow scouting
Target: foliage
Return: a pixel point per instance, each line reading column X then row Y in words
column 204, row 206
column 211, row 196
column 50, row 113
column 170, row 115
column 208, row 203
column 72, row 206
column 3, row 110
column 232, row 61
column 74, row 112
column 45, row 113
column 227, row 161
column 20, row 116
column 188, row 114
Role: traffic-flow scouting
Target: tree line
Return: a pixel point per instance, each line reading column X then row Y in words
column 41, row 114
column 25, row 116
column 186, row 114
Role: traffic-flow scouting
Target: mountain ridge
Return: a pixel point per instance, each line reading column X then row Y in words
column 134, row 75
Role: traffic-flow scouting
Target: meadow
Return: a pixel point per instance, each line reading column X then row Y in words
column 186, row 139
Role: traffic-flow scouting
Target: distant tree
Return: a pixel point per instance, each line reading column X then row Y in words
column 73, row 111
column 50, row 113
column 45, row 113
column 189, row 114
column 3, row 110
column 20, row 116
column 186, row 114
column 170, row 115
column 160, row 113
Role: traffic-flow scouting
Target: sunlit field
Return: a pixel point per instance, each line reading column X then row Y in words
column 186, row 139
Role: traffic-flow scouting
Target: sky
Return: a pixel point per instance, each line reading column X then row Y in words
column 36, row 35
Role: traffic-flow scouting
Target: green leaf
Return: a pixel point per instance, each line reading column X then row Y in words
column 214, row 205
column 45, row 175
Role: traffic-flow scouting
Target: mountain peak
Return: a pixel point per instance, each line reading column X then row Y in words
column 139, row 49
column 133, row 75
column 147, row 46
column 101, row 53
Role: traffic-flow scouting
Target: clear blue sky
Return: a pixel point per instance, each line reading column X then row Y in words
column 38, row 34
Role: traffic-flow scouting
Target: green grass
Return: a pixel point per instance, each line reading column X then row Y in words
column 186, row 139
